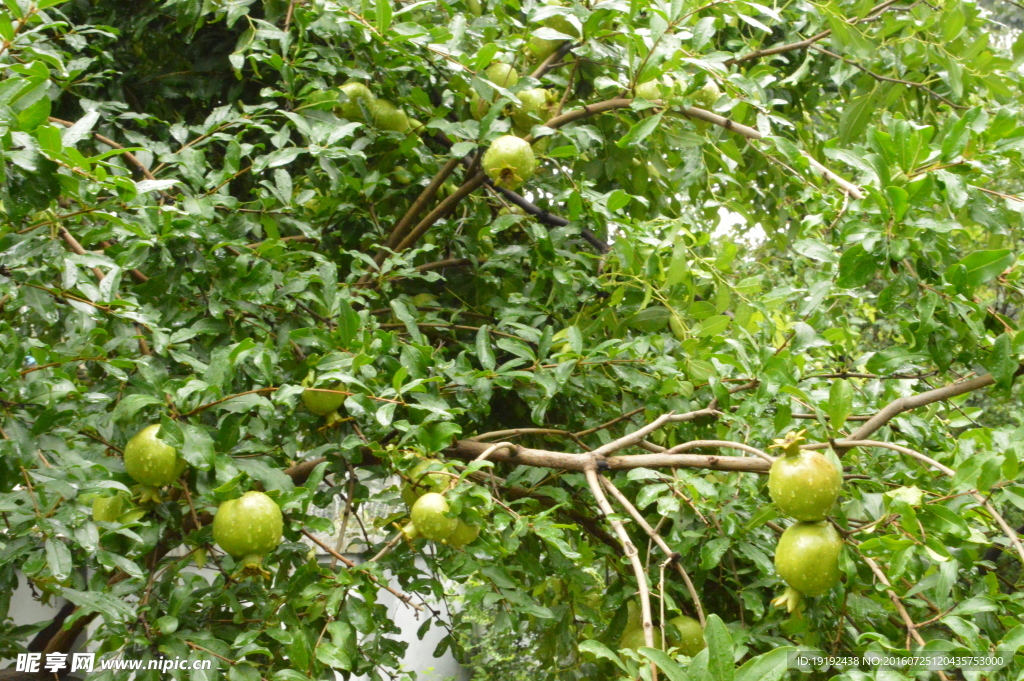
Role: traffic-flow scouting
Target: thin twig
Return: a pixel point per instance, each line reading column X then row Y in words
column 900, row 608
column 1007, row 529
column 724, row 444
column 889, row 79
column 405, row 598
column 780, row 49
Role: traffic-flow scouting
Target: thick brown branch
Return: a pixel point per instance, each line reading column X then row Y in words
column 467, row 450
column 449, row 262
column 441, row 210
column 902, row 404
column 401, row 228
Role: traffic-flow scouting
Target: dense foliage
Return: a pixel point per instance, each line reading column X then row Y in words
column 199, row 224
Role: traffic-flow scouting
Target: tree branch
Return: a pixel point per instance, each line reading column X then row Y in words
column 401, row 228
column 631, row 553
column 902, row 404
column 523, row 456
column 709, row 117
column 889, row 79
column 900, row 608
column 129, row 156
column 780, row 49
column 1007, row 529
column 723, row 444
column 673, row 556
column 442, row 209
column 404, row 597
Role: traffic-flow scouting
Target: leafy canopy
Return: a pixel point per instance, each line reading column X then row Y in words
column 199, row 223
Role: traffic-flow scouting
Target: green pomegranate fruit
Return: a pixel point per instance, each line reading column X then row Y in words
column 652, row 89
column 463, row 534
column 422, row 480
column 350, row 108
column 509, row 161
column 706, row 97
column 686, row 634
column 475, row 7
column 499, row 73
column 323, row 403
column 542, row 48
column 107, row 509
column 533, row 108
column 250, row 525
column 151, row 461
column 478, row 106
column 428, row 515
column 807, row 557
column 387, row 116
column 633, row 638
column 502, row 75
column 803, row 483
column 401, row 175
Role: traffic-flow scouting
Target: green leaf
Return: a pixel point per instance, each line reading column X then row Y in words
column 130, row 405
column 856, row 116
column 58, row 559
column 272, row 478
column 711, row 552
column 856, row 267
column 601, row 652
column 712, row 326
column 1002, row 362
column 815, row 250
column 770, row 666
column 898, row 201
column 437, row 435
column 617, row 200
column 640, row 131
column 720, row 649
column 484, row 352
column 407, row 318
column 347, row 321
column 243, row 672
column 652, row 319
column 384, row 12
column 954, row 143
column 668, row 666
column 840, row 402
column 984, row 266
column 112, row 608
column 894, row 359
